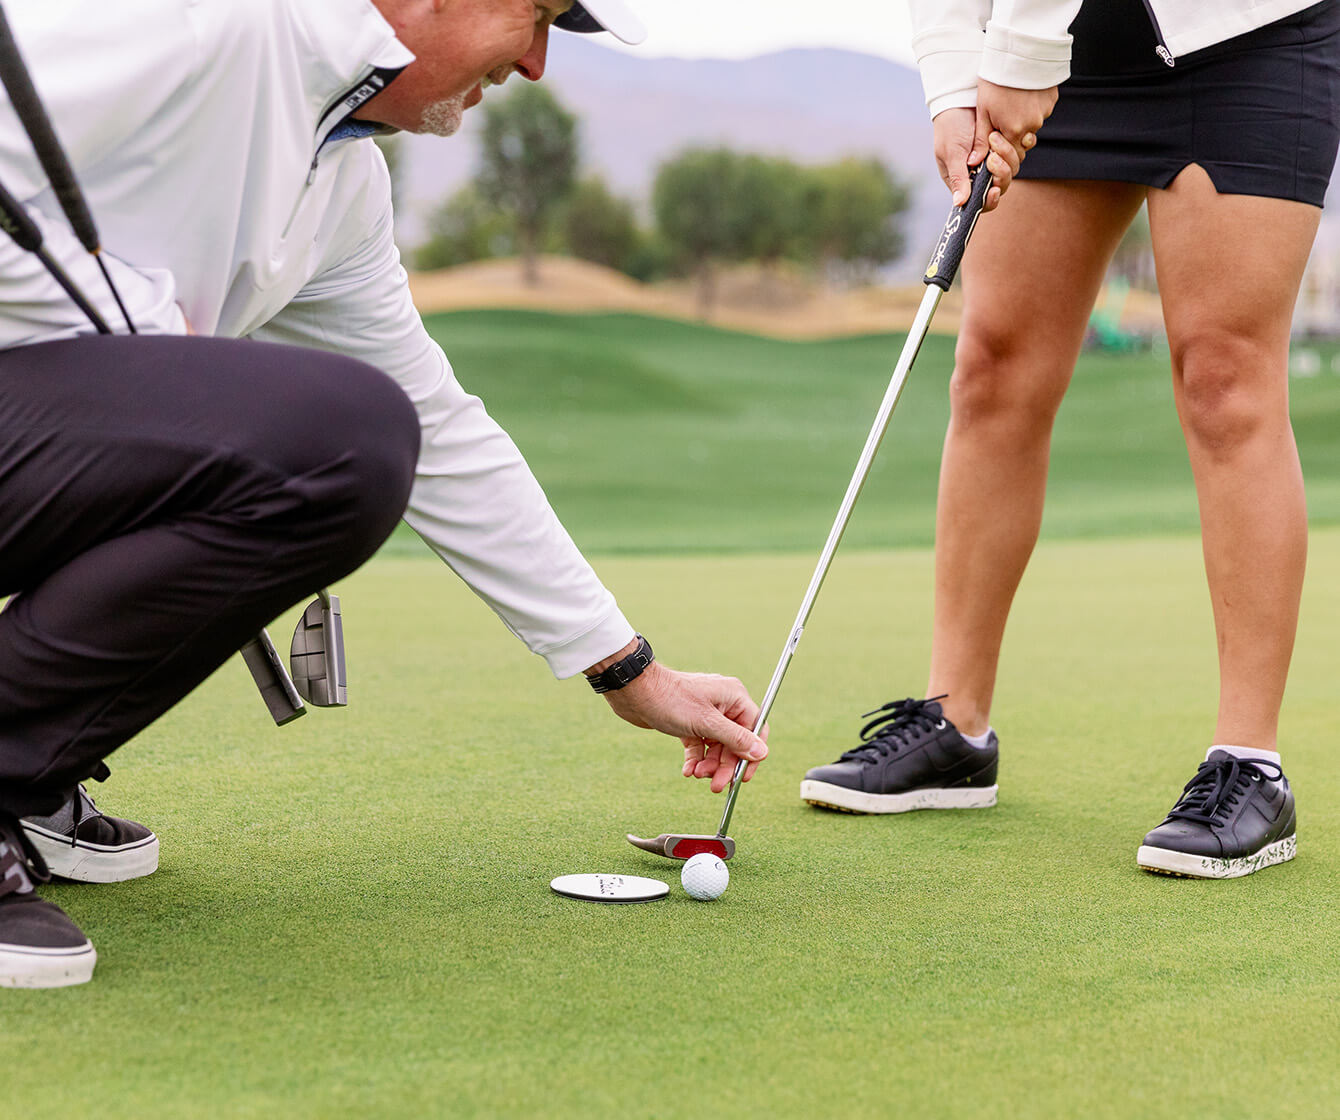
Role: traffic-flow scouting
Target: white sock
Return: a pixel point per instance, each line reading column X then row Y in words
column 978, row 741
column 1246, row 752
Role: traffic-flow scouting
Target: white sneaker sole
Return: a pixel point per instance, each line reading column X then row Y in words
column 94, row 863
column 24, row 967
column 830, row 796
column 1167, row 862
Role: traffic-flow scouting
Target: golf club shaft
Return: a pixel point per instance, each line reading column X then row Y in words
column 920, row 325
column 939, row 275
column 36, row 123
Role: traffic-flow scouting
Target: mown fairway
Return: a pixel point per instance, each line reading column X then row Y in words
column 353, row 918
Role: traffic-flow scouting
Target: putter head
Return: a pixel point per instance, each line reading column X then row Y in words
column 681, row 845
column 317, row 655
column 277, row 688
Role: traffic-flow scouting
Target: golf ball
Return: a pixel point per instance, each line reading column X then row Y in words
column 704, row 876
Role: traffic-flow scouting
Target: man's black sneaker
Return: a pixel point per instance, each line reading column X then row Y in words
column 1234, row 817
column 79, row 842
column 910, row 757
column 39, row 946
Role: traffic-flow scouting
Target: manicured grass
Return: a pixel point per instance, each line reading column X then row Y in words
column 653, row 436
column 353, row 919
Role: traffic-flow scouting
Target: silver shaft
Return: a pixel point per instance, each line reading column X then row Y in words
column 915, row 337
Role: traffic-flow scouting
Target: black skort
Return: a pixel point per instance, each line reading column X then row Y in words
column 1259, row 112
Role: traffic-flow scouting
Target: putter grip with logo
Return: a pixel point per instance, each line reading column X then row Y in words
column 958, row 228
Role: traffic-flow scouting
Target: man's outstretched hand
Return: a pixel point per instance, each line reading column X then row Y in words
column 712, row 716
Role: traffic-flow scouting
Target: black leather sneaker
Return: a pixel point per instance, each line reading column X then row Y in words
column 1234, row 817
column 910, row 757
column 39, row 946
column 79, row 842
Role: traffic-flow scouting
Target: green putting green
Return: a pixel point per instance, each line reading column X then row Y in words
column 352, row 918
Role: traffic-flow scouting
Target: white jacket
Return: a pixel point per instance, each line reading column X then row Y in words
column 196, row 128
column 1025, row 44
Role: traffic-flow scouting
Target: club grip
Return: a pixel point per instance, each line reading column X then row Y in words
column 958, row 228
column 28, row 107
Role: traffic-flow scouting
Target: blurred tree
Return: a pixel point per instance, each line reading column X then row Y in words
column 465, row 228
column 853, row 211
column 599, row 227
column 529, row 154
column 769, row 212
column 693, row 200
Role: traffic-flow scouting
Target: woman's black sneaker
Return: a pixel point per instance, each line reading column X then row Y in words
column 910, row 757
column 39, row 946
column 1234, row 817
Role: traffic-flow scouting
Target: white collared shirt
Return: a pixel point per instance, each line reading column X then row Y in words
column 197, row 128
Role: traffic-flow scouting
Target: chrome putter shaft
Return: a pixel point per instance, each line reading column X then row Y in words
column 938, row 278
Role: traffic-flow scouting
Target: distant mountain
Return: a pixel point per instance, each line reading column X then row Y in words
column 811, row 105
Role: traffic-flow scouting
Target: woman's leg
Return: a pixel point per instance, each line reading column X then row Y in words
column 1229, row 268
column 1030, row 278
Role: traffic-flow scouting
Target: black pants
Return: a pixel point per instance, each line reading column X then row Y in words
column 162, row 499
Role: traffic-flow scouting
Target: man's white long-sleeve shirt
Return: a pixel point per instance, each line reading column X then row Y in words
column 1025, row 43
column 198, row 131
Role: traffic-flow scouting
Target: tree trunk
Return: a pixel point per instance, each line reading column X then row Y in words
column 530, row 259
column 707, row 288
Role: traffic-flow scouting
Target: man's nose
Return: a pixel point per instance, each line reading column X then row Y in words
column 531, row 64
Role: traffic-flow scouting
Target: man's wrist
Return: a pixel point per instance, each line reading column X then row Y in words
column 621, row 668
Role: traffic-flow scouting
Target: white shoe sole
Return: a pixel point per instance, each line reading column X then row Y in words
column 25, row 967
column 853, row 801
column 94, row 863
column 1167, row 862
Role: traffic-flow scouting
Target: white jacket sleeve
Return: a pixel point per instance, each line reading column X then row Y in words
column 948, row 37
column 474, row 501
column 1028, row 43
column 1018, row 43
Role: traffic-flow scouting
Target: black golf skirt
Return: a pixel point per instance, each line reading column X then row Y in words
column 1259, row 112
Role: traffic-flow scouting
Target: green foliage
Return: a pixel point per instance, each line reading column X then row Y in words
column 714, row 205
column 691, row 198
column 852, row 224
column 599, row 227
column 769, row 196
column 465, row 228
column 529, row 161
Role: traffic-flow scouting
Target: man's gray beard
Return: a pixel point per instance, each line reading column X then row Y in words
column 443, row 118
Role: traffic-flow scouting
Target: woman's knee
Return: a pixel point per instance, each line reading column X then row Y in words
column 1228, row 387
column 1000, row 379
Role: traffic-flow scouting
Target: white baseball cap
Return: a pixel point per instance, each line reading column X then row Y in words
column 613, row 16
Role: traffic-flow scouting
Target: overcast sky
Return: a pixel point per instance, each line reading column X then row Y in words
column 741, row 28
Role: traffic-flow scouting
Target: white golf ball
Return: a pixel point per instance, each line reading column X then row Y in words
column 704, row 876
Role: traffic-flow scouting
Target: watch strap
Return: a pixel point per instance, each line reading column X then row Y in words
column 625, row 671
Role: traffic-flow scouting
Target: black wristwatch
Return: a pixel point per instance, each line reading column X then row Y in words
column 625, row 671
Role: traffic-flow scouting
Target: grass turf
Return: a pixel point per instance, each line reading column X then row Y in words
column 352, row 918
column 653, row 436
